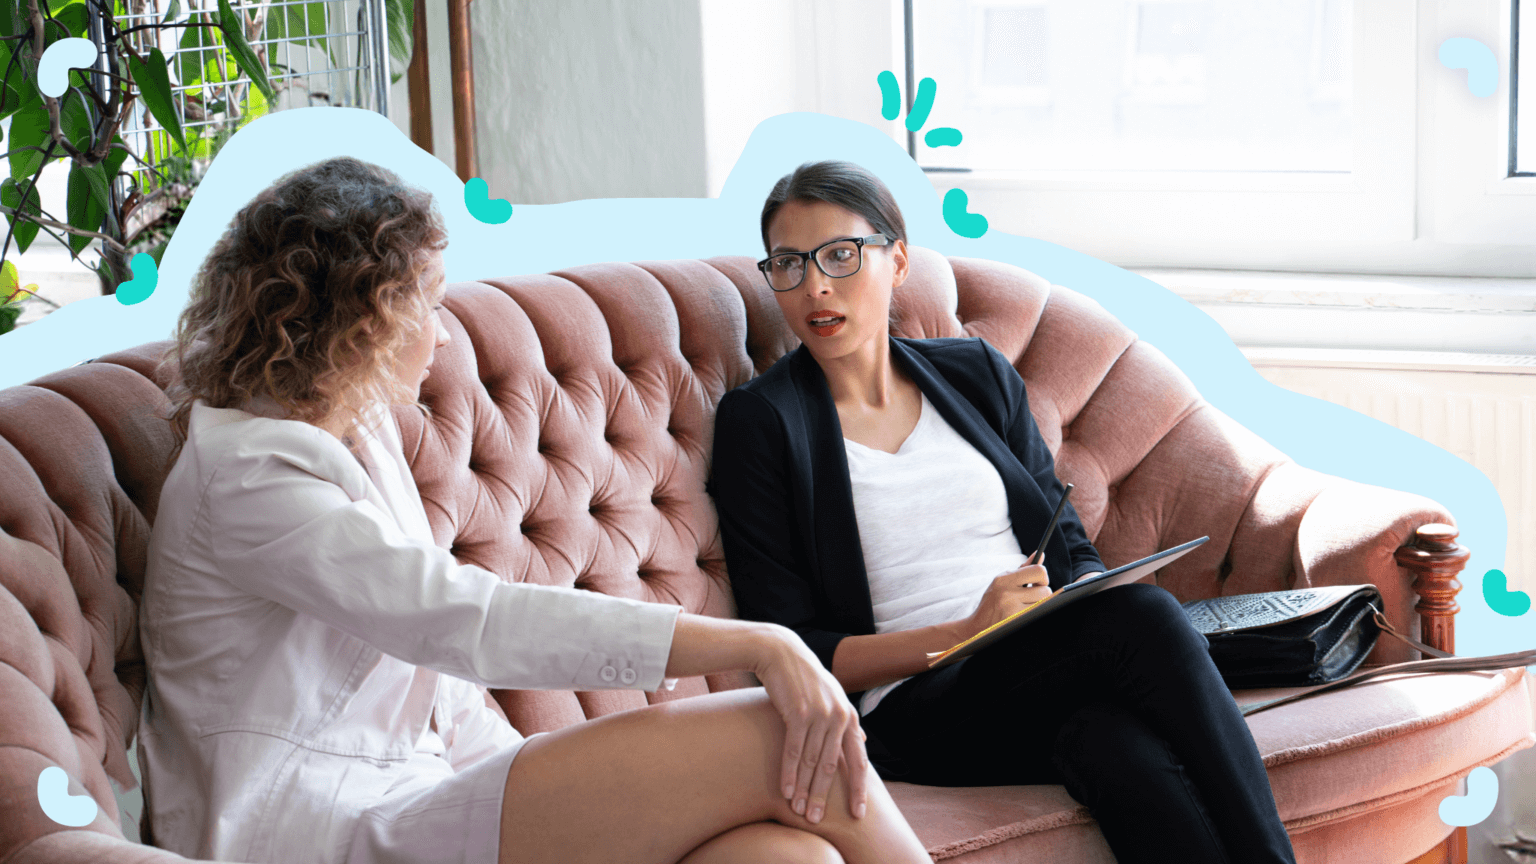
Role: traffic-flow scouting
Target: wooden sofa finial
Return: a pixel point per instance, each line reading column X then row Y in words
column 1436, row 558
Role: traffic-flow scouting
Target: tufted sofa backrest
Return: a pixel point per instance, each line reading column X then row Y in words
column 568, row 444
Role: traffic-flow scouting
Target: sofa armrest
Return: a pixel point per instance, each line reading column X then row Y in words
column 1435, row 558
column 1404, row 544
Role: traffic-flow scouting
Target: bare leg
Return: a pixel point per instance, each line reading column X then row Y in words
column 765, row 843
column 650, row 786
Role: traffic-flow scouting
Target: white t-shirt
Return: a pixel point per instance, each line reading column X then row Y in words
column 933, row 522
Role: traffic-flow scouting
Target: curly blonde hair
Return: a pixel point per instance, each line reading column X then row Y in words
column 308, row 297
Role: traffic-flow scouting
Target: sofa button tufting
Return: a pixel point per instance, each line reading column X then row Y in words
column 608, row 673
column 628, row 676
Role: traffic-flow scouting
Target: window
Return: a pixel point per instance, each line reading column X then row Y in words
column 1522, row 144
column 1153, row 85
column 1249, row 134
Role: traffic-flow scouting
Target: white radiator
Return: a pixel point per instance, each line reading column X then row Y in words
column 1482, row 408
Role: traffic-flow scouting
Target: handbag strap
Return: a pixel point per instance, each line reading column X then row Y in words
column 1442, row 662
column 1387, row 628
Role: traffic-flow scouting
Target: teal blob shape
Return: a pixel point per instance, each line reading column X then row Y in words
column 944, row 136
column 1459, row 52
column 74, row 811
column 145, row 277
column 1500, row 599
column 477, row 199
column 921, row 105
column 1477, row 804
column 965, row 224
column 890, row 95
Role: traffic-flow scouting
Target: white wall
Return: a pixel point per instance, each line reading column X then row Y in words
column 607, row 98
column 766, row 58
column 589, row 99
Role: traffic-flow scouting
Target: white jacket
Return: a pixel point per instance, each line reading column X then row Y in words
column 296, row 618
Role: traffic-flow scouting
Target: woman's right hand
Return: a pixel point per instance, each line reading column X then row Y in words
column 821, row 727
column 1008, row 594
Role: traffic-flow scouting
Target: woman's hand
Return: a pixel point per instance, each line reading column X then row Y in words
column 821, row 727
column 1008, row 594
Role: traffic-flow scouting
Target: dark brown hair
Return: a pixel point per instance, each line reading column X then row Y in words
column 842, row 183
column 308, row 296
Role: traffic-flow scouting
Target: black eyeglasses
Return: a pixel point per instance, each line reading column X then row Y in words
column 837, row 259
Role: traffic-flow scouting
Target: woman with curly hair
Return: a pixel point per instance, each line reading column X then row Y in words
column 316, row 661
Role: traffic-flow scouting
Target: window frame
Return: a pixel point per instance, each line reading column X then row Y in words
column 1429, row 194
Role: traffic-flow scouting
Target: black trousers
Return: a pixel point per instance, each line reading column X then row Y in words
column 1114, row 697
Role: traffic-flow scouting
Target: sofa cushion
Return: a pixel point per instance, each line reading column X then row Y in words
column 1358, row 775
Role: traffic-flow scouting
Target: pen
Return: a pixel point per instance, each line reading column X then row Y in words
column 1039, row 553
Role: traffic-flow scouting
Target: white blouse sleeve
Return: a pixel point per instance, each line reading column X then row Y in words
column 283, row 532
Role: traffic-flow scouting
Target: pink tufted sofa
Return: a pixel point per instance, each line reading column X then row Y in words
column 569, row 444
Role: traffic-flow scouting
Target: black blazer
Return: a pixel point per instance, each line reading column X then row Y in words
column 781, row 488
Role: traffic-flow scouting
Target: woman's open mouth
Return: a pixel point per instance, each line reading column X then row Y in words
column 824, row 322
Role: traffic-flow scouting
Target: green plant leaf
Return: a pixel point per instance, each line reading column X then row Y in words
column 10, row 196
column 198, row 46
column 154, row 82
column 8, row 316
column 29, row 128
column 83, row 209
column 10, row 280
column 172, row 12
column 400, row 20
column 254, row 105
column 10, row 17
column 73, row 16
column 232, row 25
column 301, row 23
column 20, row 91
column 53, row 31
column 96, row 178
column 75, row 120
column 114, row 161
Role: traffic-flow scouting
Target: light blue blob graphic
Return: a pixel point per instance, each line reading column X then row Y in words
column 1477, row 804
column 921, row 105
column 962, row 223
column 477, row 198
column 53, row 796
column 944, row 136
column 890, row 95
column 1459, row 52
column 145, row 277
column 62, row 56
column 1500, row 599
column 1317, row 434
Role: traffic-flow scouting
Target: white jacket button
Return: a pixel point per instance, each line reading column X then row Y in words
column 608, row 673
column 628, row 676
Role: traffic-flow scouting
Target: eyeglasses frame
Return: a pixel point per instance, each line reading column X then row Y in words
column 860, row 242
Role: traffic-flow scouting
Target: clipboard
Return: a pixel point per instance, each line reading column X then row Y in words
column 1061, row 598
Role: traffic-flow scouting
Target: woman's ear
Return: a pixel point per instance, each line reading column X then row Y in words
column 899, row 262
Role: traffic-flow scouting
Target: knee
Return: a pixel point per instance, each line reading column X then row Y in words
column 803, row 847
column 1149, row 613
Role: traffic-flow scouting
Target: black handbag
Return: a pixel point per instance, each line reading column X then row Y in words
column 1291, row 638
column 1315, row 638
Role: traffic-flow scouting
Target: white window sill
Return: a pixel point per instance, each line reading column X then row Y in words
column 1333, row 312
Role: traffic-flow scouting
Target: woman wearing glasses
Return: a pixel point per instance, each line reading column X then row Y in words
column 316, row 659
column 875, row 495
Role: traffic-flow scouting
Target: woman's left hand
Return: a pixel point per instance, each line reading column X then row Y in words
column 821, row 727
